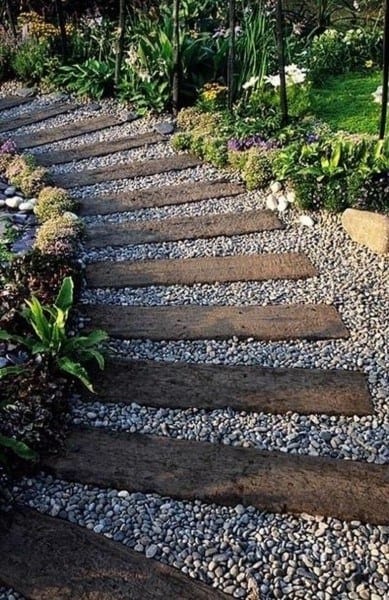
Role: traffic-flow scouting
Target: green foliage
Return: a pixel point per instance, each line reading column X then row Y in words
column 30, row 60
column 93, row 78
column 30, row 180
column 335, row 166
column 53, row 202
column 50, row 338
column 6, row 54
column 59, row 235
column 258, row 171
column 335, row 52
column 346, row 102
column 180, row 141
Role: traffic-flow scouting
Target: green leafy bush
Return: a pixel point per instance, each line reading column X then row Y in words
column 53, row 202
column 30, row 180
column 334, row 52
column 50, row 338
column 59, row 235
column 30, row 59
column 93, row 78
column 258, row 171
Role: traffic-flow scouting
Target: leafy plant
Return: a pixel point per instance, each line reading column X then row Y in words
column 30, row 59
column 51, row 340
column 93, row 78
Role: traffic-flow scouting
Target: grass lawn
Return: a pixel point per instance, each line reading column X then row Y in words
column 346, row 102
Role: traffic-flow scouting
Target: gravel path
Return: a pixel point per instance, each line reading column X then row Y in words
column 240, row 550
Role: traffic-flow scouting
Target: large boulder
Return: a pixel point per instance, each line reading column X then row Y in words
column 367, row 228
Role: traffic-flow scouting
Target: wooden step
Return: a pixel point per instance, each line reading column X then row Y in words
column 243, row 388
column 35, row 116
column 181, row 228
column 100, row 148
column 128, row 170
column 13, row 101
column 64, row 132
column 188, row 271
column 189, row 470
column 46, row 558
column 191, row 322
column 159, row 196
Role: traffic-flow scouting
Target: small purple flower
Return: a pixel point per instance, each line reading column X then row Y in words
column 312, row 138
column 8, row 147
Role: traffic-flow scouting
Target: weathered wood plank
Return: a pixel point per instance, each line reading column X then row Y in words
column 181, row 228
column 188, row 470
column 13, row 101
column 191, row 322
column 99, row 148
column 50, row 559
column 128, row 170
column 64, row 132
column 188, row 271
column 159, row 196
column 243, row 388
column 37, row 115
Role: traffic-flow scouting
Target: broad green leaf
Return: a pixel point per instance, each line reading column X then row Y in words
column 76, row 370
column 14, row 370
column 64, row 299
column 19, row 448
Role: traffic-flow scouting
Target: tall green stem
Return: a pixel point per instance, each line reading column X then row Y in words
column 385, row 77
column 176, row 57
column 231, row 53
column 281, row 61
column 120, row 40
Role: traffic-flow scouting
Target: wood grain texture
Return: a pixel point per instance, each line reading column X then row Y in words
column 158, row 196
column 12, row 101
column 64, row 132
column 181, row 228
column 191, row 322
column 51, row 559
column 100, row 148
column 188, row 470
column 253, row 267
column 243, row 388
column 37, row 115
column 129, row 170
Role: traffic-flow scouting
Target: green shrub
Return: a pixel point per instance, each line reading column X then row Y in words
column 30, row 180
column 215, row 151
column 238, row 159
column 6, row 54
column 181, row 141
column 5, row 161
column 53, row 202
column 307, row 192
column 92, row 78
column 30, row 60
column 188, row 118
column 59, row 235
column 258, row 170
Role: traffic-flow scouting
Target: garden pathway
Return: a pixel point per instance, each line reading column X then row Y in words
column 184, row 469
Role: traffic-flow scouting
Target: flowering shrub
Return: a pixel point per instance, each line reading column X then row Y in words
column 337, row 52
column 8, row 147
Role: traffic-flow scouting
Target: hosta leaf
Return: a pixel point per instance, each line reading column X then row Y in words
column 64, row 299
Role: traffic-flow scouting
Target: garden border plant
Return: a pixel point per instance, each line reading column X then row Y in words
column 36, row 298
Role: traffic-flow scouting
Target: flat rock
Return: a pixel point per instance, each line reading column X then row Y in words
column 367, row 228
column 227, row 475
column 243, row 388
column 46, row 558
column 159, row 196
column 26, row 92
column 253, row 267
column 181, row 228
column 165, row 128
column 192, row 322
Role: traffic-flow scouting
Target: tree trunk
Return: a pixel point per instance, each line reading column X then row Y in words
column 281, row 62
column 120, row 40
column 11, row 19
column 231, row 53
column 385, row 77
column 176, row 57
column 61, row 23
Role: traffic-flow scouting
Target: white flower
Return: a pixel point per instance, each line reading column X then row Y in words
column 377, row 95
column 252, row 82
column 274, row 80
